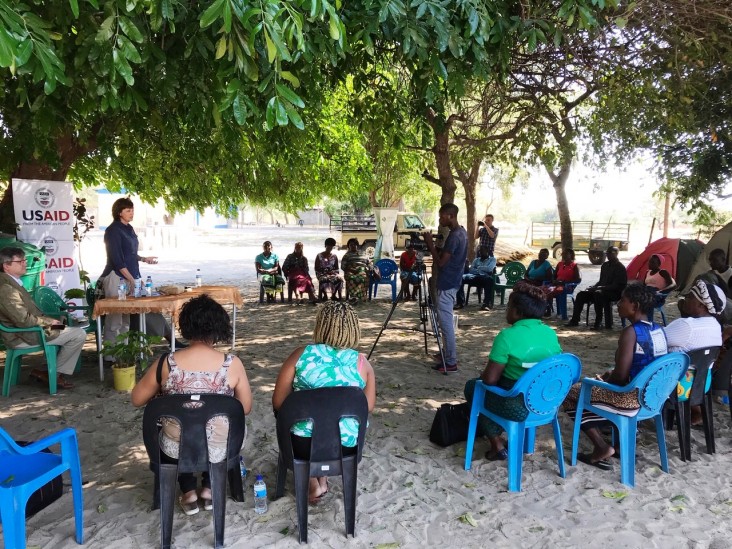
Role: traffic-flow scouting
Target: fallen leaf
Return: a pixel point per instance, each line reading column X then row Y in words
column 392, row 545
column 460, row 452
column 264, row 518
column 408, row 484
column 285, row 530
column 677, row 509
column 536, row 529
column 680, row 497
column 101, row 508
column 467, row 518
column 469, row 485
column 419, row 451
column 620, row 496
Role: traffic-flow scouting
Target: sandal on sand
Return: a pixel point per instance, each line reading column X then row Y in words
column 207, row 504
column 42, row 377
column 501, row 455
column 190, row 508
column 602, row 464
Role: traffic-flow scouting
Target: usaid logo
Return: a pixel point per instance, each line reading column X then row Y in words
column 50, row 245
column 45, row 198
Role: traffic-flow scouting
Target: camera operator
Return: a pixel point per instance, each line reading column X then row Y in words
column 487, row 234
column 450, row 261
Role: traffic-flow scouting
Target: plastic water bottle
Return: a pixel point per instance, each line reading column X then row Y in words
column 199, row 278
column 148, row 286
column 138, row 287
column 122, row 289
column 260, row 496
column 243, row 469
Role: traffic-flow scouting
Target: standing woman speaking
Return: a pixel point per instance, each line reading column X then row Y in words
column 121, row 243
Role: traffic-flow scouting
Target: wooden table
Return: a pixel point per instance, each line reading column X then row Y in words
column 163, row 304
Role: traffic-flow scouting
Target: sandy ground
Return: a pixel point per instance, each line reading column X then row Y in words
column 411, row 492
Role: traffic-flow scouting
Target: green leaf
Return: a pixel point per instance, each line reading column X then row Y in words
column 212, row 13
column 105, row 30
column 291, row 78
column 271, row 115
column 74, row 7
column 294, row 116
column 24, row 51
column 271, row 48
column 123, row 67
column 680, row 497
column 333, row 28
column 620, row 22
column 391, row 545
column 620, row 496
column 281, row 113
column 221, row 47
column 467, row 518
column 101, row 508
column 6, row 49
column 49, row 85
column 240, row 109
column 130, row 29
column 227, row 16
column 290, row 95
column 166, row 9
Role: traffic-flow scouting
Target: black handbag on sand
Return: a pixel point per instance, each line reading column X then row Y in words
column 450, row 424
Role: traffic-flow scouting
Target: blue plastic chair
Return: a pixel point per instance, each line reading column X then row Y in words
column 654, row 385
column 660, row 302
column 561, row 299
column 24, row 469
column 389, row 271
column 12, row 358
column 544, row 386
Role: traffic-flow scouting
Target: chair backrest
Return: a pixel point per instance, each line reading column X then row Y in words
column 546, row 384
column 513, row 271
column 657, row 380
column 49, row 301
column 91, row 295
column 387, row 268
column 701, row 360
column 192, row 413
column 325, row 407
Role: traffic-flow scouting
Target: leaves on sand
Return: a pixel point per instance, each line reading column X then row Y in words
column 469, row 485
column 101, row 508
column 419, row 451
column 285, row 530
column 535, row 529
column 467, row 518
column 392, row 545
column 460, row 452
column 680, row 497
column 408, row 484
column 620, row 496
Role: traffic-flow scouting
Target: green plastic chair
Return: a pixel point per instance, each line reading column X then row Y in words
column 51, row 304
column 513, row 271
column 13, row 356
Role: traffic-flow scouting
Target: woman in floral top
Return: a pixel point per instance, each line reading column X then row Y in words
column 331, row 361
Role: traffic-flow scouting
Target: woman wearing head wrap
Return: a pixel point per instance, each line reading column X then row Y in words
column 699, row 328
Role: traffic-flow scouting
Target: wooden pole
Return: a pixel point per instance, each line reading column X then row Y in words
column 666, row 209
column 653, row 226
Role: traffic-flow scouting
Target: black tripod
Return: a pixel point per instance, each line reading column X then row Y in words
column 427, row 313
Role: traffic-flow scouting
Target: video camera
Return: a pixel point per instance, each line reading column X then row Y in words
column 418, row 242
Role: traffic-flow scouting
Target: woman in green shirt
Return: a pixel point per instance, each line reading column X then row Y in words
column 515, row 349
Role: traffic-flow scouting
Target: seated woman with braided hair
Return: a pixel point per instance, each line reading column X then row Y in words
column 639, row 345
column 515, row 349
column 330, row 361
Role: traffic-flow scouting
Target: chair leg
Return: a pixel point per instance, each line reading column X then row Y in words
column 281, row 477
column 627, row 430
column 708, row 422
column 9, row 371
column 51, row 363
column 70, row 451
column 529, row 439
column 350, row 481
column 156, row 493
column 12, row 513
column 168, row 475
column 687, row 429
column 302, row 479
column 478, row 398
column 681, row 428
column 515, row 432
column 261, row 293
column 558, row 444
column 217, row 472
column 236, row 487
column 661, row 436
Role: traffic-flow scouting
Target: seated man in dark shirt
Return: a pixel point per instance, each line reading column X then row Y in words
column 613, row 278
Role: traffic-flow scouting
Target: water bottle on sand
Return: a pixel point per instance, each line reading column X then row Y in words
column 260, row 496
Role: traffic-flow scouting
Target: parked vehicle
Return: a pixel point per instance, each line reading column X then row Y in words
column 590, row 237
column 408, row 226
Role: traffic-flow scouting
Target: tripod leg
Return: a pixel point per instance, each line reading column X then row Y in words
column 386, row 322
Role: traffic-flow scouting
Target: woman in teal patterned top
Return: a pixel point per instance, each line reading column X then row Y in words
column 331, row 361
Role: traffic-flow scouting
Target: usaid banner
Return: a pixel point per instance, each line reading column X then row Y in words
column 44, row 213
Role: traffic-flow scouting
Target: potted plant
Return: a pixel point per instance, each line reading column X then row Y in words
column 128, row 350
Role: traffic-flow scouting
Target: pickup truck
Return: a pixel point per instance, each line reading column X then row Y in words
column 408, row 226
column 590, row 237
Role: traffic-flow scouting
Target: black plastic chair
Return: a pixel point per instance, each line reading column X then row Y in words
column 480, row 286
column 701, row 360
column 192, row 413
column 324, row 407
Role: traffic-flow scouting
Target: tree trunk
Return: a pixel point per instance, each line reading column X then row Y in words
column 470, row 183
column 441, row 151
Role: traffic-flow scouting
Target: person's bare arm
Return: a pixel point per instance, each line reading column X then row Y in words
column 367, row 372
column 623, row 357
column 147, row 387
column 242, row 390
column 492, row 372
column 283, row 385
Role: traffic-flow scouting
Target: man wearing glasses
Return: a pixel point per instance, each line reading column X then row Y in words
column 17, row 310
